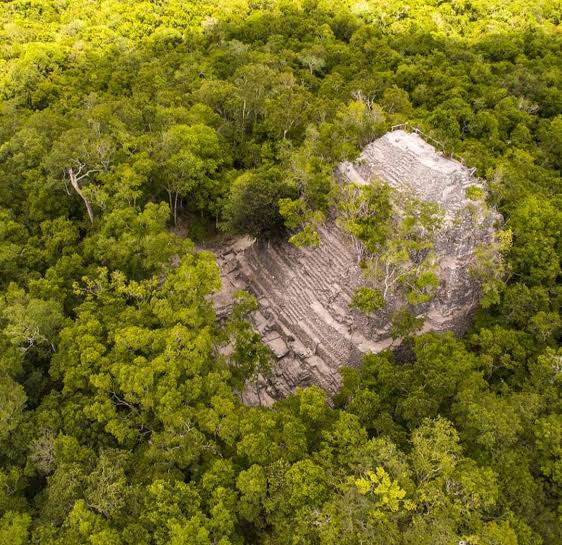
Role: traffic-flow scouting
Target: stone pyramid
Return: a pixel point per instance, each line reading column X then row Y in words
column 304, row 294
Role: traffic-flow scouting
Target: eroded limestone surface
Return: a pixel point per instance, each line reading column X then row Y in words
column 304, row 294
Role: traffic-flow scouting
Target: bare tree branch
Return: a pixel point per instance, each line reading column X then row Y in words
column 75, row 177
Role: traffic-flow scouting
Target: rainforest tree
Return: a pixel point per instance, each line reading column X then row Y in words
column 129, row 130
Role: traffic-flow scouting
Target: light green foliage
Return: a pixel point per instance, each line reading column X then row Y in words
column 366, row 212
column 490, row 268
column 389, row 496
column 253, row 488
column 367, row 299
column 305, row 484
column 120, row 413
column 249, row 357
column 31, row 323
column 422, row 288
column 474, row 193
column 134, row 241
column 14, row 528
column 190, row 157
column 393, row 231
column 11, row 406
column 435, row 450
column 308, row 236
column 296, row 215
column 13, row 238
column 359, row 122
column 535, row 225
column 293, row 212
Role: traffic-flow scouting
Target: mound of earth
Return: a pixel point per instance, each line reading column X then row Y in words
column 304, row 294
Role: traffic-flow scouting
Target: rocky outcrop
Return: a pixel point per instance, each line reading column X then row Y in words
column 304, row 294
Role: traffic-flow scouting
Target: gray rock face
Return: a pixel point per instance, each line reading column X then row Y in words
column 304, row 294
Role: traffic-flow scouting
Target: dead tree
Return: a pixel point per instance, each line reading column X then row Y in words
column 75, row 175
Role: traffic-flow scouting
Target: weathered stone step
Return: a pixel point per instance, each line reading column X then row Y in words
column 294, row 311
column 313, row 277
column 301, row 285
column 342, row 254
column 328, row 259
column 337, row 346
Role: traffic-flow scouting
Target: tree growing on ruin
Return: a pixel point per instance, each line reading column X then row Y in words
column 394, row 237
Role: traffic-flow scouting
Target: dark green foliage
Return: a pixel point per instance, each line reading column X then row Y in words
column 253, row 203
column 120, row 413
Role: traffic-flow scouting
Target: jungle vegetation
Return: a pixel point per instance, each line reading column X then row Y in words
column 130, row 131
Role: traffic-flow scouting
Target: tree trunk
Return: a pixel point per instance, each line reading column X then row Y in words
column 76, row 186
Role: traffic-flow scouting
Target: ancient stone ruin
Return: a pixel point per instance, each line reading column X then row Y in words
column 304, row 294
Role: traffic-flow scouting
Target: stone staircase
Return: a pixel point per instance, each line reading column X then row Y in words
column 296, row 284
column 439, row 179
column 304, row 295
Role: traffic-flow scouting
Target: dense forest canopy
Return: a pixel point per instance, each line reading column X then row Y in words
column 130, row 131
